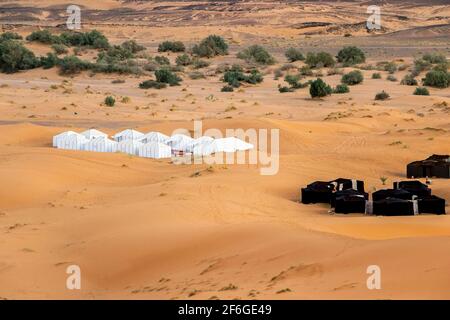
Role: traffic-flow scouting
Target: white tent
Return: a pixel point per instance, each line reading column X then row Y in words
column 154, row 137
column 59, row 137
column 73, row 142
column 128, row 134
column 181, row 142
column 93, row 133
column 129, row 146
column 101, row 144
column 230, row 144
column 155, row 150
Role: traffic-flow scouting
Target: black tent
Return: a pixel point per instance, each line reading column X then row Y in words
column 431, row 204
column 393, row 207
column 434, row 166
column 391, row 193
column 349, row 201
column 317, row 192
column 415, row 187
column 346, row 184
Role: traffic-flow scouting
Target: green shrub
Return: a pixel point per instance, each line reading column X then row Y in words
column 161, row 60
column 306, row 71
column 285, row 89
column 319, row 89
column 293, row 54
column 319, row 60
column 376, row 76
column 351, row 55
column 256, row 53
column 43, row 36
column 94, row 39
column 341, row 88
column 167, row 76
column 110, row 101
column 14, row 57
column 409, row 80
column 132, row 46
column 438, row 79
column 421, row 65
column 391, row 78
column 235, row 76
column 421, row 91
column 70, row 65
column 195, row 75
column 10, row 36
column 59, row 48
column 200, row 63
column 391, row 67
column 211, row 46
column 152, row 84
column 227, row 88
column 183, row 60
column 383, row 95
column 352, row 78
column 441, row 67
column 49, row 61
column 435, row 58
column 174, row 46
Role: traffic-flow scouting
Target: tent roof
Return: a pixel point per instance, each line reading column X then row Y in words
column 93, row 133
column 129, row 132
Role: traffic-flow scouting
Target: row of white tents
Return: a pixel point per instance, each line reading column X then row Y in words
column 150, row 145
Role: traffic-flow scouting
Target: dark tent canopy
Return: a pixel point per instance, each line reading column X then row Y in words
column 415, row 187
column 391, row 193
column 432, row 204
column 321, row 191
column 434, row 166
column 393, row 207
column 349, row 201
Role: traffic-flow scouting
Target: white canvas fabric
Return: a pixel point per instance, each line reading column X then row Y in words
column 59, row 137
column 154, row 137
column 129, row 146
column 101, row 144
column 155, row 150
column 181, row 142
column 230, row 144
column 93, row 133
column 73, row 142
column 128, row 134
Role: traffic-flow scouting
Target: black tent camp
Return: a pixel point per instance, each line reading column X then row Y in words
column 391, row 193
column 415, row 187
column 434, row 166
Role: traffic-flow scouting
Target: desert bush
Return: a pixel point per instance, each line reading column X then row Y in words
column 110, row 101
column 293, row 54
column 278, row 73
column 351, row 55
column 94, row 39
column 435, row 58
column 391, row 78
column 409, row 80
column 319, row 60
column 152, row 84
column 306, row 71
column 334, row 71
column 352, row 78
column 319, row 89
column 235, row 76
column 211, row 46
column 391, row 67
column 43, row 36
column 132, row 46
column 421, row 91
column 195, row 75
column 200, row 63
column 161, row 60
column 227, row 88
column 151, row 66
column 49, row 61
column 10, row 36
column 383, row 95
column 59, row 48
column 284, row 89
column 167, row 76
column 117, row 81
column 14, row 57
column 341, row 88
column 438, row 79
column 70, row 65
column 256, row 53
column 421, row 65
column 376, row 75
column 174, row 46
column 183, row 60
column 441, row 67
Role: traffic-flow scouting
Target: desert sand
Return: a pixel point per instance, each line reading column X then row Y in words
column 150, row 229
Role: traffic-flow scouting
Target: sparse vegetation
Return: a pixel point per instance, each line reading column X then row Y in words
column 166, row 76
column 293, row 54
column 227, row 88
column 409, row 80
column 383, row 95
column 174, row 46
column 59, row 48
column 183, row 60
column 15, row 57
column 236, row 75
column 341, row 88
column 437, row 79
column 319, row 60
column 152, row 84
column 110, row 101
column 421, row 91
column 211, row 46
column 391, row 78
column 376, row 75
